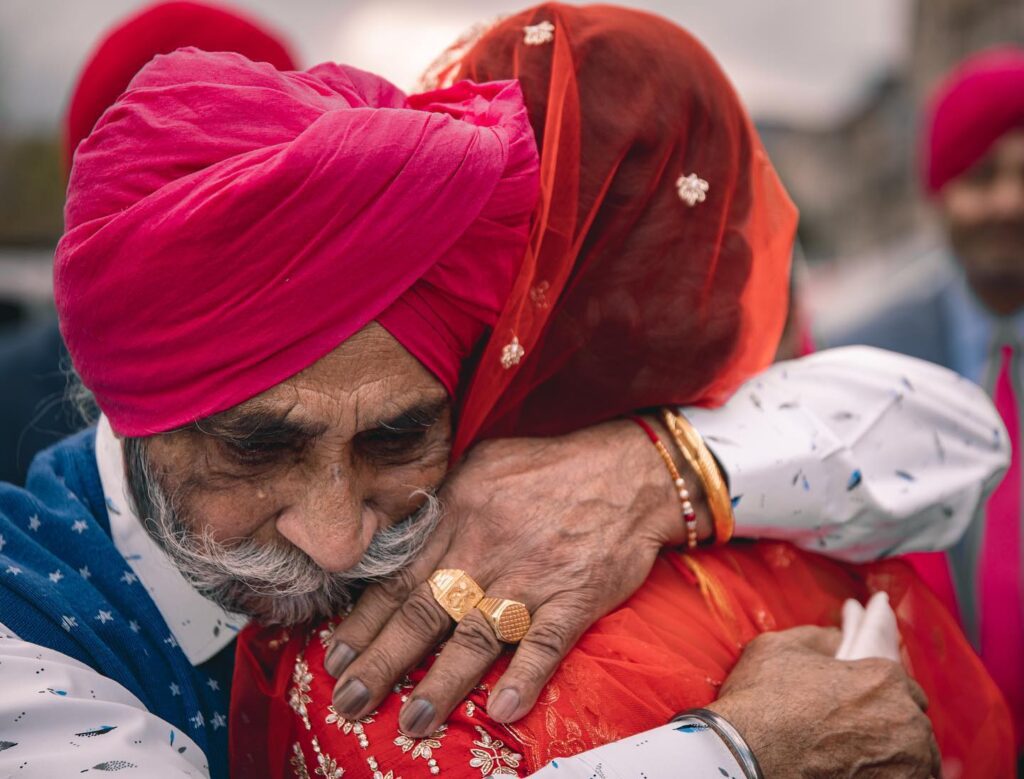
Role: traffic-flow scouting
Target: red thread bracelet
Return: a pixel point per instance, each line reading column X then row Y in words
column 689, row 515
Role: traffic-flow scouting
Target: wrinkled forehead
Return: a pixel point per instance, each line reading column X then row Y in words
column 368, row 381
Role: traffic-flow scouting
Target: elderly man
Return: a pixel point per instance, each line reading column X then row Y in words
column 298, row 439
column 972, row 321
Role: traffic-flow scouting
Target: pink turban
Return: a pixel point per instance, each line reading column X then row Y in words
column 978, row 103
column 228, row 224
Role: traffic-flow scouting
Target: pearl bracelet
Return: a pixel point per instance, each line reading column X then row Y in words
column 686, row 506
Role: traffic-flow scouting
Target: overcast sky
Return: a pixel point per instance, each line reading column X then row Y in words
column 803, row 61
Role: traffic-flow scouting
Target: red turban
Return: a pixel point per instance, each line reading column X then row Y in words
column 978, row 103
column 228, row 224
column 160, row 29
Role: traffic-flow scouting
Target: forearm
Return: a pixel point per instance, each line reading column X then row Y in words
column 857, row 453
column 62, row 718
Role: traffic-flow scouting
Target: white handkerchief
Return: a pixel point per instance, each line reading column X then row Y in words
column 869, row 631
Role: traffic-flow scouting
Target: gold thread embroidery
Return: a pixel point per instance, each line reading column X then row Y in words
column 327, row 766
column 350, row 726
column 512, row 353
column 539, row 295
column 692, row 189
column 298, row 697
column 492, row 757
column 377, row 773
column 298, row 761
column 538, row 34
column 423, row 747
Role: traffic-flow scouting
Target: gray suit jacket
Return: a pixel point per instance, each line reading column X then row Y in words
column 919, row 327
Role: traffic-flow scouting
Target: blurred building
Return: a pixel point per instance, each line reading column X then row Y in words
column 851, row 179
column 855, row 180
column 945, row 31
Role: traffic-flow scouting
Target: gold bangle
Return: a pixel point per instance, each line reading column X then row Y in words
column 703, row 463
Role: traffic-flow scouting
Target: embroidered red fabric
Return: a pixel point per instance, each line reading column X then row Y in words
column 667, row 649
column 628, row 297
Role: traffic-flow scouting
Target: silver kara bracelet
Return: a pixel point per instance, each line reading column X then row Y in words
column 730, row 737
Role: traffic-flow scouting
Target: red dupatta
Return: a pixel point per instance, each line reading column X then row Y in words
column 629, row 295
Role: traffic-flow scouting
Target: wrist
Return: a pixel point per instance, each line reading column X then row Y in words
column 729, row 735
column 690, row 443
column 652, row 475
column 747, row 718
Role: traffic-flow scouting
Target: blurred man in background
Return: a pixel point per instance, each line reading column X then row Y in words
column 34, row 412
column 973, row 154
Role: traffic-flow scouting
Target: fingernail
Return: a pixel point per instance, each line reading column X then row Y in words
column 416, row 718
column 339, row 658
column 352, row 698
column 504, row 705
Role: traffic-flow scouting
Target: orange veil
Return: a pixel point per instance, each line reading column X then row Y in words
column 658, row 265
column 657, row 273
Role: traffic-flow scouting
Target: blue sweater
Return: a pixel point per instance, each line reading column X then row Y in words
column 59, row 568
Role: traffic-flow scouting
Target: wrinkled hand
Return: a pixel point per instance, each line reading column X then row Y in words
column 806, row 714
column 570, row 526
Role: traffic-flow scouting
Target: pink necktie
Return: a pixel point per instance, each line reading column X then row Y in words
column 1000, row 596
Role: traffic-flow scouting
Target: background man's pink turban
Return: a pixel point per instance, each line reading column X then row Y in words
column 978, row 103
column 161, row 28
column 228, row 224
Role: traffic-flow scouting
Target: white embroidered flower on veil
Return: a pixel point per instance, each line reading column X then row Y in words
column 692, row 189
column 539, row 34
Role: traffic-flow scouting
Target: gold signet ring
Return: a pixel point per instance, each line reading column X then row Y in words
column 455, row 591
column 509, row 618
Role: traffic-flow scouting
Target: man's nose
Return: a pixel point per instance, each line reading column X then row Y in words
column 329, row 523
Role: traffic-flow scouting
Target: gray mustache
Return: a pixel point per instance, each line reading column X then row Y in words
column 274, row 583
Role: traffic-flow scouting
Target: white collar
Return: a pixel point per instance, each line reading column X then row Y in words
column 200, row 626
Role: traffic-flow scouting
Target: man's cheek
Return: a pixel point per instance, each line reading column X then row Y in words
column 398, row 491
column 233, row 515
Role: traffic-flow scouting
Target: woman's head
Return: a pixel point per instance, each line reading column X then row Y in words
column 658, row 266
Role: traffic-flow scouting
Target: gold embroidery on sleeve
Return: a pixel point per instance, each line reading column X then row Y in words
column 350, row 726
column 298, row 697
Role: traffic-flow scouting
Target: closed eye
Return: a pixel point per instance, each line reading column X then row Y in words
column 258, row 437
column 258, row 451
column 392, row 445
column 402, row 438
